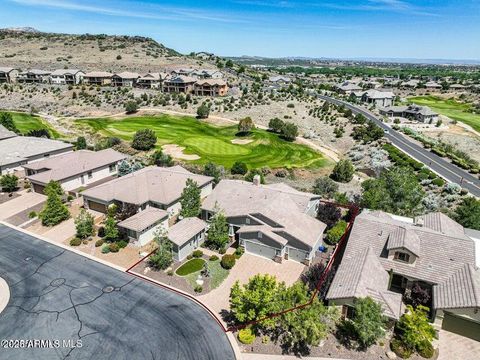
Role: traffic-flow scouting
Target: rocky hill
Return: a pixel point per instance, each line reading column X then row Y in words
column 28, row 48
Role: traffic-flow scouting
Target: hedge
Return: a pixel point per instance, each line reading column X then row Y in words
column 228, row 261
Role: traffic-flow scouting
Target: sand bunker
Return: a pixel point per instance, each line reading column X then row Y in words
column 176, row 152
column 241, row 141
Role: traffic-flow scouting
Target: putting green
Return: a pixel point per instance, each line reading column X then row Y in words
column 449, row 107
column 212, row 143
column 26, row 122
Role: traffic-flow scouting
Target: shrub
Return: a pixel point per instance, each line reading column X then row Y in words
column 425, row 350
column 99, row 243
column 119, row 57
column 203, row 111
column 343, row 171
column 32, row 214
column 9, row 182
column 197, row 254
column 170, row 272
column 70, row 198
column 105, row 249
column 245, row 125
column 246, row 336
column 75, row 242
column 275, row 125
column 239, row 168
column 114, row 247
column 131, row 107
column 398, row 348
column 239, row 252
column 228, row 261
column 335, row 233
column 189, row 256
column 289, row 131
column 438, row 182
column 222, row 251
column 213, row 258
column 325, row 187
column 144, row 139
column 101, row 232
column 122, row 244
column 198, row 289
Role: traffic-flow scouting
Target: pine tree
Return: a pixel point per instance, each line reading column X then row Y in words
column 111, row 230
column 54, row 211
column 190, row 199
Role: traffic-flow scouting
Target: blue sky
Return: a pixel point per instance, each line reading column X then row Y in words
column 331, row 28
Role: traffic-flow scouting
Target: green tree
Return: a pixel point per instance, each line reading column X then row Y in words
column 124, row 168
column 289, row 131
column 325, row 187
column 239, row 168
column 368, row 321
column 190, row 200
column 131, row 107
column 55, row 187
column 396, row 191
column 54, row 211
column 6, row 120
column 343, row 171
column 414, row 329
column 159, row 158
column 84, row 224
column 81, row 143
column 144, row 139
column 245, row 125
column 218, row 231
column 111, row 230
column 229, row 63
column 275, row 125
column 217, row 172
column 9, row 182
column 334, row 234
column 163, row 257
column 468, row 213
column 203, row 111
column 256, row 299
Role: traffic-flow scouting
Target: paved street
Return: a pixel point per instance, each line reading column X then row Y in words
column 439, row 165
column 58, row 295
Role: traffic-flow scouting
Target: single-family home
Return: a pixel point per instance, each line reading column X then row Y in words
column 410, row 84
column 8, row 75
column 126, row 78
column 34, row 76
column 210, row 74
column 151, row 80
column 432, row 85
column 16, row 151
column 273, row 221
column 98, row 78
column 375, row 97
column 141, row 227
column 387, row 255
column 457, row 87
column 348, row 87
column 418, row 113
column 179, row 84
column 279, row 80
column 186, row 236
column 151, row 186
column 74, row 170
column 66, row 77
column 189, row 72
column 210, row 87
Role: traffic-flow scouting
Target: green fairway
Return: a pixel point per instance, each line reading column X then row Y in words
column 26, row 122
column 453, row 109
column 212, row 143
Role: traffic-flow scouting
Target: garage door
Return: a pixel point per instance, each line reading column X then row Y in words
column 38, row 188
column 296, row 254
column 461, row 326
column 259, row 249
column 97, row 206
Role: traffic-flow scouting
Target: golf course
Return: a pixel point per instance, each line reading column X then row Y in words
column 449, row 107
column 27, row 122
column 212, row 143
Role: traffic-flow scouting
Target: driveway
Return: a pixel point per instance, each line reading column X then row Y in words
column 57, row 295
column 246, row 267
column 19, row 204
column 61, row 232
column 455, row 347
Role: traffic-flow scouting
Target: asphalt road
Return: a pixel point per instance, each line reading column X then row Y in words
column 436, row 163
column 59, row 295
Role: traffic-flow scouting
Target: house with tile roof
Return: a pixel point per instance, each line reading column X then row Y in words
column 151, row 80
column 210, row 87
column 179, row 84
column 125, row 79
column 98, row 78
column 418, row 113
column 186, row 236
column 141, row 227
column 34, row 76
column 273, row 221
column 387, row 255
column 66, row 77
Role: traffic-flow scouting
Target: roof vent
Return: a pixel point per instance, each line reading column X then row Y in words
column 418, row 221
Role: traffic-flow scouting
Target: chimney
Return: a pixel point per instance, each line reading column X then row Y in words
column 418, row 221
column 256, row 180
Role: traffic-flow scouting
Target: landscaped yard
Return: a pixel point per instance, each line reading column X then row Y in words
column 212, row 143
column 453, row 109
column 191, row 266
column 217, row 275
column 26, row 122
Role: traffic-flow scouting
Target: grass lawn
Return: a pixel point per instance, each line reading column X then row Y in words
column 26, row 122
column 453, row 109
column 190, row 267
column 217, row 275
column 212, row 143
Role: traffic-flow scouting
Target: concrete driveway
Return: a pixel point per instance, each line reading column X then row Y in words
column 246, row 267
column 455, row 347
column 58, row 295
column 19, row 204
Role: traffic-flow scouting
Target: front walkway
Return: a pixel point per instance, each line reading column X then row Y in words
column 246, row 267
column 455, row 347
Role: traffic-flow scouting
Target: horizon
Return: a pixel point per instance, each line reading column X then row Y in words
column 374, row 30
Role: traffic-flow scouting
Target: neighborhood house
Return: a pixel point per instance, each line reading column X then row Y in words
column 186, row 236
column 421, row 114
column 66, row 77
column 142, row 227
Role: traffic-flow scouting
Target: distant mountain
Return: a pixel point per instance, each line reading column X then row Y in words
column 25, row 29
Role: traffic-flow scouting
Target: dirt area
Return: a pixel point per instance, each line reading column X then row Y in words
column 4, row 197
column 177, row 152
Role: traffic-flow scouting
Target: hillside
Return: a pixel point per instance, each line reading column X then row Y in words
column 27, row 48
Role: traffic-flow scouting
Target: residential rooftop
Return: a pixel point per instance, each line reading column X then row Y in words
column 185, row 229
column 144, row 219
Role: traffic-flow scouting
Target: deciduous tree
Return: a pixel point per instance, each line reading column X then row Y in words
column 190, row 199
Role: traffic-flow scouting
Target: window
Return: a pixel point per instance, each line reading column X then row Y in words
column 401, row 256
column 90, row 175
column 112, row 167
column 247, row 221
column 260, row 235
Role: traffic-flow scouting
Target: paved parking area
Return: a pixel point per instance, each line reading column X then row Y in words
column 246, row 267
column 56, row 294
column 19, row 204
column 455, row 347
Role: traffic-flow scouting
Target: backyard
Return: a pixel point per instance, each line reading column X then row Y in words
column 212, row 143
column 27, row 122
column 449, row 107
